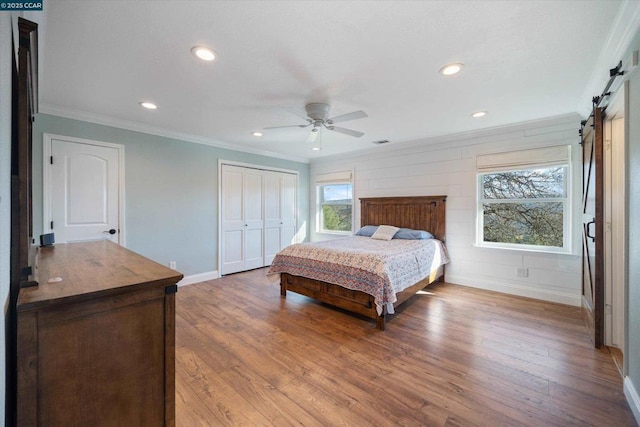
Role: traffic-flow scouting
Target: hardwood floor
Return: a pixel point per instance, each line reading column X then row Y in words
column 453, row 356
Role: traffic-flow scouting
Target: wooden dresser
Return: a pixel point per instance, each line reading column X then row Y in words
column 96, row 339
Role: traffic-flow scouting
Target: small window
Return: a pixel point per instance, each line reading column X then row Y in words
column 336, row 207
column 334, row 202
column 525, row 208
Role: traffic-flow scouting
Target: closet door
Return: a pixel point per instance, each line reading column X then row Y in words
column 258, row 210
column 288, row 192
column 232, row 233
column 253, row 219
column 280, row 212
column 272, row 215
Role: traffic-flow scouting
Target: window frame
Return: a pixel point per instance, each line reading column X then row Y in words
column 566, row 202
column 335, row 178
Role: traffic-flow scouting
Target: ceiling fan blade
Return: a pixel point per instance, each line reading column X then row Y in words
column 349, row 116
column 289, row 126
column 349, row 132
column 295, row 112
column 313, row 135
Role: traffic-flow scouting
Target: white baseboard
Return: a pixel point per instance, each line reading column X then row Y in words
column 197, row 278
column 632, row 398
column 515, row 289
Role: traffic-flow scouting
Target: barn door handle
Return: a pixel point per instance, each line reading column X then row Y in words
column 112, row 231
column 593, row 238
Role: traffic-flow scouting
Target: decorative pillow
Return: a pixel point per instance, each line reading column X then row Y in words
column 410, row 234
column 385, row 232
column 367, row 230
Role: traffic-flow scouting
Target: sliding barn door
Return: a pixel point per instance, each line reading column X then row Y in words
column 592, row 226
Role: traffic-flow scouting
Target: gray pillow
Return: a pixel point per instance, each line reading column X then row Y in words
column 367, row 230
column 409, row 234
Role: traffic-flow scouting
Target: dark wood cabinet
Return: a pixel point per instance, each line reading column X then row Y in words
column 96, row 339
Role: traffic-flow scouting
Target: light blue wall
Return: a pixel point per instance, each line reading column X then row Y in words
column 171, row 191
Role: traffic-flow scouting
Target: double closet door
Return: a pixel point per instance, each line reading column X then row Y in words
column 258, row 209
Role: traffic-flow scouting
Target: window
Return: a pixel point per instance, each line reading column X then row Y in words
column 335, row 203
column 523, row 200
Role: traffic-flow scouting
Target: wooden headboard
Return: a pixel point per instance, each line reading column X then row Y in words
column 420, row 213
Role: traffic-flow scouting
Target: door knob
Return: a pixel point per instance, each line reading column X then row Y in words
column 112, row 231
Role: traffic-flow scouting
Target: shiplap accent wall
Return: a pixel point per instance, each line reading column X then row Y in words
column 447, row 166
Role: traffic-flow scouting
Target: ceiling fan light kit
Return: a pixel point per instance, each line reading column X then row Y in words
column 317, row 113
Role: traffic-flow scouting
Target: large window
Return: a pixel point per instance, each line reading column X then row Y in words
column 525, row 205
column 335, row 203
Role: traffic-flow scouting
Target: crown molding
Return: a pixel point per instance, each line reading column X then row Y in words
column 615, row 49
column 98, row 119
column 478, row 136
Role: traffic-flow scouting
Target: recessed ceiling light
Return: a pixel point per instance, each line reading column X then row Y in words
column 203, row 53
column 316, row 148
column 257, row 134
column 451, row 69
column 149, row 105
column 479, row 114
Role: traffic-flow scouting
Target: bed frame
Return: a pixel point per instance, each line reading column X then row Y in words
column 420, row 213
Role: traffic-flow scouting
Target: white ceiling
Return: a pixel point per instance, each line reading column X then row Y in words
column 524, row 60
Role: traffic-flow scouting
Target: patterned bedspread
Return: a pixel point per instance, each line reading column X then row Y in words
column 377, row 267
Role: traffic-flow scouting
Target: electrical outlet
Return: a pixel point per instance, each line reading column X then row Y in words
column 522, row 272
column 172, row 265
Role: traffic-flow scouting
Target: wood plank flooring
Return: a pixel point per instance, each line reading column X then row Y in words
column 451, row 356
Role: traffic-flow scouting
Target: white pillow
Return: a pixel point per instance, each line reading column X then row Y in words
column 385, row 232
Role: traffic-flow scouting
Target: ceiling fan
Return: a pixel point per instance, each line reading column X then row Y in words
column 318, row 118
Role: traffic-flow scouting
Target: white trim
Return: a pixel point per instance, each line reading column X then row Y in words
column 632, row 398
column 488, row 166
column 574, row 299
column 256, row 166
column 625, row 26
column 548, row 125
column 615, row 221
column 153, row 130
column 198, row 278
column 46, row 180
column 328, row 178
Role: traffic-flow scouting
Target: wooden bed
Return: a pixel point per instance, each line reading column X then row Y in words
column 419, row 213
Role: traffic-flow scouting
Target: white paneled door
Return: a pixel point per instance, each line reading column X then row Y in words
column 258, row 210
column 232, row 223
column 242, row 219
column 253, row 219
column 288, row 191
column 84, row 191
column 280, row 212
column 272, row 215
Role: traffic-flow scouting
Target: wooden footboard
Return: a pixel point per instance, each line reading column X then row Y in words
column 419, row 213
column 347, row 299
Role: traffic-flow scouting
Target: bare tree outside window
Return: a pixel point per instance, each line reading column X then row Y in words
column 524, row 207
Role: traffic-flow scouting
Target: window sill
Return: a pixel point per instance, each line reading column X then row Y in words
column 524, row 249
column 335, row 233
